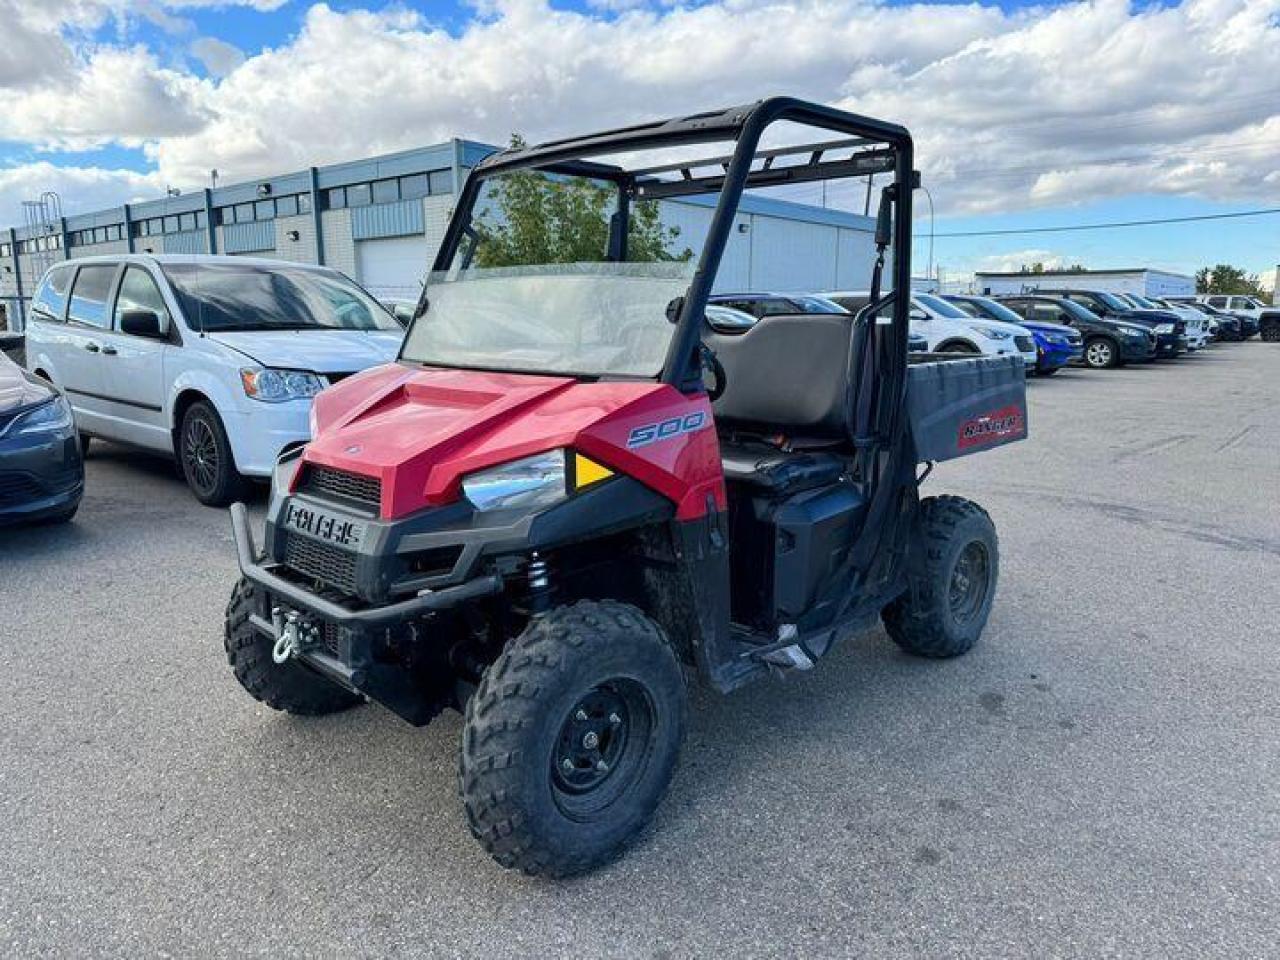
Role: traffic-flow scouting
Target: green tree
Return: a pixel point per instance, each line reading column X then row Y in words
column 1224, row 278
column 541, row 218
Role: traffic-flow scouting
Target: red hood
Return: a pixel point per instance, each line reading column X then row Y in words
column 421, row 430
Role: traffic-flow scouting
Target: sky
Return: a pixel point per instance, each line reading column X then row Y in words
column 1025, row 115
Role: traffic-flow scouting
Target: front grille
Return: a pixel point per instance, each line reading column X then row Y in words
column 19, row 488
column 326, row 481
column 1024, row 343
column 321, row 561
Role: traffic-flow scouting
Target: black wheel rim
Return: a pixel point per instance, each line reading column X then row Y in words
column 603, row 747
column 970, row 581
column 200, row 454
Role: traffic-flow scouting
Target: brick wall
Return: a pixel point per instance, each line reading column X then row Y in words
column 339, row 248
column 302, row 250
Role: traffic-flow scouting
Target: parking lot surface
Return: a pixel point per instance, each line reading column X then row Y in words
column 1098, row 777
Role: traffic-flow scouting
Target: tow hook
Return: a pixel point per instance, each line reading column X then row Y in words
column 292, row 634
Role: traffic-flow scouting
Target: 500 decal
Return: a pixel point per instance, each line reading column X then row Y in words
column 666, row 429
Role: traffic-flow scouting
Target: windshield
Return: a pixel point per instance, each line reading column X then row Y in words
column 940, row 307
column 998, row 311
column 540, row 283
column 1112, row 301
column 1078, row 310
column 224, row 297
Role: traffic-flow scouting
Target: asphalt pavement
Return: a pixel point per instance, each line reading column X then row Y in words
column 1097, row 778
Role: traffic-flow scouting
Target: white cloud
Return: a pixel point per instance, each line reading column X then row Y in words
column 1044, row 106
column 218, row 57
column 81, row 189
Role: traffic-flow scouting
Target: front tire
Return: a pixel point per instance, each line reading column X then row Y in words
column 204, row 454
column 289, row 686
column 953, row 577
column 571, row 738
column 1101, row 354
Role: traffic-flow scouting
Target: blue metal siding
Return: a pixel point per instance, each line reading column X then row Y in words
column 400, row 219
column 249, row 237
column 190, row 241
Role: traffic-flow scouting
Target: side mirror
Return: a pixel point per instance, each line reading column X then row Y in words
column 673, row 309
column 142, row 323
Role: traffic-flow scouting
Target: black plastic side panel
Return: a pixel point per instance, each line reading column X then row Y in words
column 814, row 531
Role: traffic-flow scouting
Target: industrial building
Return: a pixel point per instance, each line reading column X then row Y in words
column 1140, row 280
column 380, row 221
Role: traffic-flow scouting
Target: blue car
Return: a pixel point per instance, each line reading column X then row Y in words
column 1056, row 345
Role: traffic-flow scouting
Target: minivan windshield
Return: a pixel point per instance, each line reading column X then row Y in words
column 537, row 284
column 226, row 297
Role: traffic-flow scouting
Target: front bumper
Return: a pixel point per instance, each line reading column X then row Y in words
column 265, row 577
column 1137, row 348
column 1170, row 345
column 259, row 436
column 1051, row 356
column 40, row 477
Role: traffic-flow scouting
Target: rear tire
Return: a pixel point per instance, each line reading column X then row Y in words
column 571, row 738
column 289, row 686
column 1101, row 354
column 1271, row 330
column 953, row 576
column 204, row 453
column 1047, row 371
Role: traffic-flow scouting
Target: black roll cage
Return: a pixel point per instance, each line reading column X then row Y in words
column 879, row 361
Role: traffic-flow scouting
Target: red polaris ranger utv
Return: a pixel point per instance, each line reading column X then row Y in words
column 576, row 488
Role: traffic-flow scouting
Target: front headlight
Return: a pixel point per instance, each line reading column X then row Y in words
column 536, row 481
column 52, row 417
column 991, row 333
column 277, row 386
column 1134, row 333
column 1165, row 328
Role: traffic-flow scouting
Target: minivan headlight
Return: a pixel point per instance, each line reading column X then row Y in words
column 536, row 481
column 277, row 386
column 52, row 417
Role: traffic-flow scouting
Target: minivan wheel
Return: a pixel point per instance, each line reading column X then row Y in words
column 1099, row 354
column 205, row 455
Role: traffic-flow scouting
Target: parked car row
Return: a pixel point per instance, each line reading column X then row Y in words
column 215, row 360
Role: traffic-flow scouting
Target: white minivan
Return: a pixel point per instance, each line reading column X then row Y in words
column 948, row 329
column 211, row 359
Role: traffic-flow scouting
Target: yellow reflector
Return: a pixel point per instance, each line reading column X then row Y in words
column 587, row 471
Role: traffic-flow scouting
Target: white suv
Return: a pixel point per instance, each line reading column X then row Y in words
column 212, row 359
column 948, row 329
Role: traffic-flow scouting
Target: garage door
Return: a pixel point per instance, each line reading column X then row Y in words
column 394, row 267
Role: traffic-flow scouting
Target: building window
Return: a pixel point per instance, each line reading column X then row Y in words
column 244, row 212
column 287, row 207
column 304, row 203
column 337, row 198
column 4, row 250
column 170, row 224
column 359, row 195
column 99, row 234
column 264, row 209
column 115, row 232
column 187, row 221
column 386, row 191
column 201, row 221
column 441, row 181
column 411, row 188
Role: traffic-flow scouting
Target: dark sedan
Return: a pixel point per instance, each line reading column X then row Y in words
column 41, row 469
